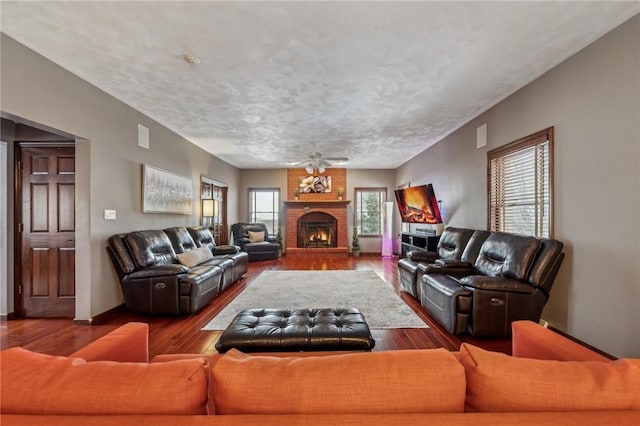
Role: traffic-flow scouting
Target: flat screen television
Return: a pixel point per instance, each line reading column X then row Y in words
column 418, row 204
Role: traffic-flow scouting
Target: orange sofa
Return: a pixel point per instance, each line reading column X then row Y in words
column 548, row 380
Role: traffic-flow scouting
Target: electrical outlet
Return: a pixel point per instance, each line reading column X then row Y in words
column 110, row 215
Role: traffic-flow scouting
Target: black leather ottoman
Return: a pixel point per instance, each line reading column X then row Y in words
column 283, row 330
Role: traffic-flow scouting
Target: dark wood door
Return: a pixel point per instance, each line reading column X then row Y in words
column 48, row 231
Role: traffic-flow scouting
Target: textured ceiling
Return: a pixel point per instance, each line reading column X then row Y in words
column 377, row 82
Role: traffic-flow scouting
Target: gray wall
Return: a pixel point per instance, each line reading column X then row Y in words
column 277, row 178
column 109, row 163
column 593, row 101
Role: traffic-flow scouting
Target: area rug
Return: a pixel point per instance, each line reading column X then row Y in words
column 364, row 290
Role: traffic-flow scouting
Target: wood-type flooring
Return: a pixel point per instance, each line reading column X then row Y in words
column 182, row 334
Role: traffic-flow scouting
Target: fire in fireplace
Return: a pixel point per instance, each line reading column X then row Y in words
column 317, row 230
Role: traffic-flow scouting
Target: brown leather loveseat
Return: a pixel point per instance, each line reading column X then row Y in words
column 171, row 272
column 499, row 278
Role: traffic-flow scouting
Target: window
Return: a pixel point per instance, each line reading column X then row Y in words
column 264, row 207
column 520, row 185
column 368, row 208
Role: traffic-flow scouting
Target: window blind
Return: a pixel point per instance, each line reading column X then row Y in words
column 519, row 187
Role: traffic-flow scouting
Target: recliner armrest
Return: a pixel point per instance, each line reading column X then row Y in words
column 454, row 263
column 225, row 249
column 422, row 256
column 530, row 340
column 159, row 271
column 460, row 269
column 271, row 239
column 483, row 282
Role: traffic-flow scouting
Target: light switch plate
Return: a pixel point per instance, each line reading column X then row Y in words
column 110, row 215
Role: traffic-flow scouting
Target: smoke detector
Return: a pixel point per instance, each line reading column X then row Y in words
column 192, row 59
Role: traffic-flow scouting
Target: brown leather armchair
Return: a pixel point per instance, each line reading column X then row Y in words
column 258, row 250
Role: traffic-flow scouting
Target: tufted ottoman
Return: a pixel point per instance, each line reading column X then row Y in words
column 294, row 330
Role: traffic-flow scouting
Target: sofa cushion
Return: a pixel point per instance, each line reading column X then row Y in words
column 416, row 381
column 202, row 236
column 181, row 239
column 500, row 383
column 507, row 255
column 34, row 383
column 256, row 237
column 452, row 242
column 149, row 248
column 195, row 257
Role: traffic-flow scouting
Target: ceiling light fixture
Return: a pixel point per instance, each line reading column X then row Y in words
column 317, row 163
column 313, row 166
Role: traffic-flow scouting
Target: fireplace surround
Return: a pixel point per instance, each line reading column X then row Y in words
column 316, row 227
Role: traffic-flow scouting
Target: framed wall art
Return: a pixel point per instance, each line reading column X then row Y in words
column 165, row 192
column 315, row 184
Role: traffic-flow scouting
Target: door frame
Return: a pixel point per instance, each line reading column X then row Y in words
column 4, row 273
column 17, row 256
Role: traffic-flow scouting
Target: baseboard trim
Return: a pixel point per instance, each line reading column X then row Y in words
column 100, row 318
column 7, row 317
column 580, row 342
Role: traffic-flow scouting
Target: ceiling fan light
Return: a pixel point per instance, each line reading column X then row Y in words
column 321, row 169
column 309, row 168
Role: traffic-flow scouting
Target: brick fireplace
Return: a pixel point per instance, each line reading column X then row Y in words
column 316, row 223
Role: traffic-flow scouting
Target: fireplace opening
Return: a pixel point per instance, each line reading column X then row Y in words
column 317, row 230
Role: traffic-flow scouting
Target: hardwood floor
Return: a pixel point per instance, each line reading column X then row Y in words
column 168, row 334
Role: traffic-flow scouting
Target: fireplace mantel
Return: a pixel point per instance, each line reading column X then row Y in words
column 316, row 203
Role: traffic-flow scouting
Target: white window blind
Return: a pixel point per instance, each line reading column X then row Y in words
column 520, row 186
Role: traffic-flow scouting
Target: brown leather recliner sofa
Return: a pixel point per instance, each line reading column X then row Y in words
column 173, row 271
column 499, row 278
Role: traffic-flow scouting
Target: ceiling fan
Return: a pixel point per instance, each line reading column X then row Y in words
column 317, row 162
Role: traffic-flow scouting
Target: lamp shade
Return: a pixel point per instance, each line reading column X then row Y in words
column 208, row 208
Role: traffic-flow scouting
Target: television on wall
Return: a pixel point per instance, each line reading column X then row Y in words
column 418, row 204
